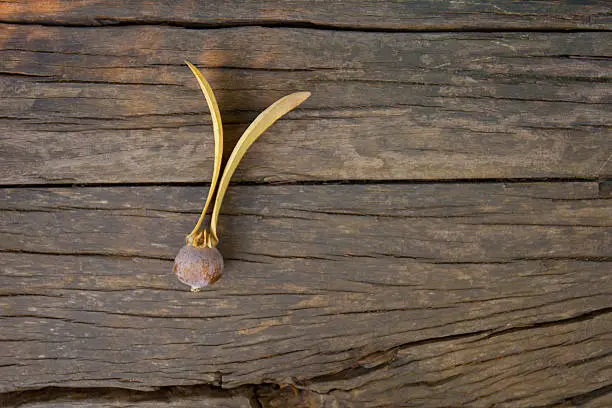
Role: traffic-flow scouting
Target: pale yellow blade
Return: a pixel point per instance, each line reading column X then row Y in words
column 259, row 125
column 218, row 134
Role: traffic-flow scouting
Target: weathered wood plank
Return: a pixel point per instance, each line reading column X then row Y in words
column 322, row 221
column 483, row 292
column 116, row 104
column 353, row 14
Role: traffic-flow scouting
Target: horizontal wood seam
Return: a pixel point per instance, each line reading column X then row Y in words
column 318, row 182
column 303, row 25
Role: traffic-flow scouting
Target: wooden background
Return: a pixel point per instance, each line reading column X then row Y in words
column 432, row 228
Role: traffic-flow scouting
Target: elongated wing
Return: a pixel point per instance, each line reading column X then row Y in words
column 259, row 125
column 218, row 134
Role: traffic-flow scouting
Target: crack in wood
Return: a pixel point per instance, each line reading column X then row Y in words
column 112, row 395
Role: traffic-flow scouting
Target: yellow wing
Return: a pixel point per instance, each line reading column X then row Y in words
column 259, row 125
column 218, row 134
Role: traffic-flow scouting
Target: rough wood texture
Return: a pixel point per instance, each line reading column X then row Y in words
column 371, row 279
column 352, row 14
column 418, row 294
column 117, row 104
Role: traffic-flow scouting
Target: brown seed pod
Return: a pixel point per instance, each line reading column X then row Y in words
column 199, row 263
column 198, row 266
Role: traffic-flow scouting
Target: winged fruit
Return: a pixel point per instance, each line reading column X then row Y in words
column 199, row 263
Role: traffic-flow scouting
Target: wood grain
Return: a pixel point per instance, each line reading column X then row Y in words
column 117, row 104
column 352, row 14
column 440, row 236
column 476, row 294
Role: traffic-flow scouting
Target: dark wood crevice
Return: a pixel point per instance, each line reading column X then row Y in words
column 178, row 396
column 102, row 23
column 603, row 183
